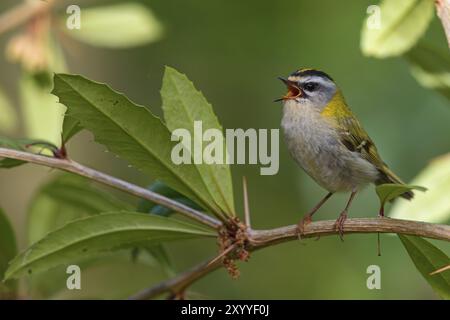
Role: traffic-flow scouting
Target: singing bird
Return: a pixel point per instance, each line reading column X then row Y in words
column 328, row 142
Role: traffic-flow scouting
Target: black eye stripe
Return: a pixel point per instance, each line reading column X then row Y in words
column 310, row 86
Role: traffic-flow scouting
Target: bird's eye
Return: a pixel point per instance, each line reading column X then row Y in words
column 310, row 86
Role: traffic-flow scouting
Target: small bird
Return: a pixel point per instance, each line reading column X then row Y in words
column 328, row 142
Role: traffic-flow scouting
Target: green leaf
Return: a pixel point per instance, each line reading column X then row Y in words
column 71, row 127
column 146, row 206
column 8, row 118
column 427, row 259
column 431, row 68
column 11, row 144
column 98, row 234
column 434, row 205
column 130, row 131
column 389, row 191
column 43, row 119
column 402, row 23
column 117, row 26
column 8, row 249
column 21, row 145
column 64, row 199
column 183, row 104
column 161, row 188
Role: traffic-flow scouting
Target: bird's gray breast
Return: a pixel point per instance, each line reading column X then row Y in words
column 314, row 143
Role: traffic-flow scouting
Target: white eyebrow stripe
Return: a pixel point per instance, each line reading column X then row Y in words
column 321, row 80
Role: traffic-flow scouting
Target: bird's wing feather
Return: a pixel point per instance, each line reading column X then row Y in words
column 351, row 133
column 356, row 139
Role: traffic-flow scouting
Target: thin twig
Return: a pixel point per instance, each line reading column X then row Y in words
column 22, row 13
column 264, row 238
column 246, row 205
column 77, row 168
column 180, row 282
column 440, row 270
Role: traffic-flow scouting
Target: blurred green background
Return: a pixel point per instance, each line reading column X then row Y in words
column 233, row 51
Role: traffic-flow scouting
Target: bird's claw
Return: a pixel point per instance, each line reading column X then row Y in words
column 339, row 225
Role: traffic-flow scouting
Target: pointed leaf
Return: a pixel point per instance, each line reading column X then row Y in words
column 130, row 131
column 389, row 191
column 427, row 259
column 402, row 23
column 183, row 104
column 434, row 205
column 99, row 234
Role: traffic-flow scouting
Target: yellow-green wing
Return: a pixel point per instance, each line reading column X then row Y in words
column 352, row 135
column 355, row 138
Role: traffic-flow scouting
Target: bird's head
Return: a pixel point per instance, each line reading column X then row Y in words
column 309, row 86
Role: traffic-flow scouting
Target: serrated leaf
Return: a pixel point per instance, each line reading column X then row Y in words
column 100, row 234
column 427, row 259
column 130, row 131
column 183, row 104
column 434, row 205
column 402, row 23
column 117, row 26
column 431, row 68
column 64, row 199
column 8, row 249
column 8, row 118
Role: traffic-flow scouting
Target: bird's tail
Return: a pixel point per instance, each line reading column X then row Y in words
column 387, row 176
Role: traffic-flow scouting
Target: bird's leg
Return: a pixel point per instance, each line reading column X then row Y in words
column 307, row 218
column 343, row 216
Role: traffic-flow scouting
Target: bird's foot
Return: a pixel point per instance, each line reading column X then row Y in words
column 302, row 224
column 339, row 225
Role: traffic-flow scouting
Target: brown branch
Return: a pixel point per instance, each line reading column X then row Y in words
column 22, row 13
column 257, row 239
column 77, row 168
column 263, row 238
column 178, row 284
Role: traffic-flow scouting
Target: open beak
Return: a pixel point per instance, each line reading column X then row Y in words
column 293, row 90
